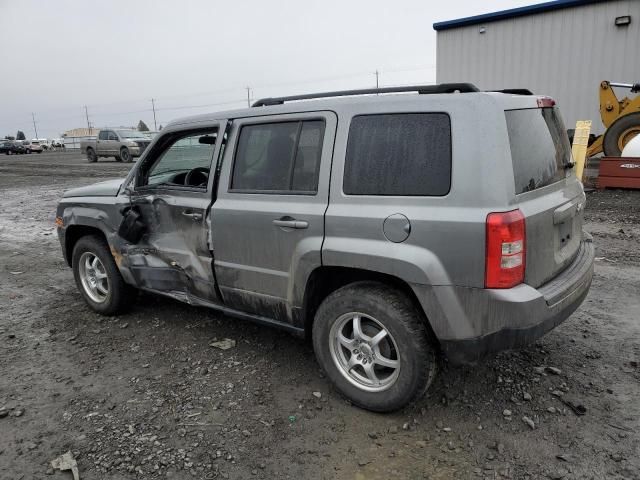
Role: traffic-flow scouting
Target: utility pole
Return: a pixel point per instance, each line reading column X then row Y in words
column 33, row 117
column 377, row 75
column 155, row 124
column 86, row 113
column 248, row 96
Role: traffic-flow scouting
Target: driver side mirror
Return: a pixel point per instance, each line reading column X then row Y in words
column 207, row 140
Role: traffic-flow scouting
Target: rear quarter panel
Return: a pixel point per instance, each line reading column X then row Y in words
column 446, row 245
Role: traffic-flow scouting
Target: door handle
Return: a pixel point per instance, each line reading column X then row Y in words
column 288, row 222
column 193, row 215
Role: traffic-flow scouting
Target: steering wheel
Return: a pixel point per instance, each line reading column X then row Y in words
column 198, row 174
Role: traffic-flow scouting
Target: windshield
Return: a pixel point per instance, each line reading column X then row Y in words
column 131, row 134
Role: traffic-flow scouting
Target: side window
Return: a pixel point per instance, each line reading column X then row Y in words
column 103, row 135
column 185, row 160
column 278, row 157
column 112, row 136
column 406, row 154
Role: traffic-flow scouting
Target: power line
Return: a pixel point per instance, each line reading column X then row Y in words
column 248, row 97
column 185, row 107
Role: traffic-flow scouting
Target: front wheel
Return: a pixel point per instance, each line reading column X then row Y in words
column 91, row 155
column 373, row 344
column 98, row 277
column 125, row 155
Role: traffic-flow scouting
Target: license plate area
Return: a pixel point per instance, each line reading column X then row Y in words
column 564, row 234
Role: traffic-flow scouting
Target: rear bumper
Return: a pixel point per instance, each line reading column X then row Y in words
column 512, row 318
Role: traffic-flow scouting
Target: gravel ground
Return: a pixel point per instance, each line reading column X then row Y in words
column 144, row 395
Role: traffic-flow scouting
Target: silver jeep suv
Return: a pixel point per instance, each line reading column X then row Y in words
column 386, row 227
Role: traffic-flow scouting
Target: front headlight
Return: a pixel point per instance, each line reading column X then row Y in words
column 132, row 144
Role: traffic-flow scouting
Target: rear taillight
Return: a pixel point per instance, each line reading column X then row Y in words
column 506, row 245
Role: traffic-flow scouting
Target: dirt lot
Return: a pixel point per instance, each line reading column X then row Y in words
column 144, row 395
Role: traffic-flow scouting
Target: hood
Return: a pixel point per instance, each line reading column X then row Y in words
column 103, row 189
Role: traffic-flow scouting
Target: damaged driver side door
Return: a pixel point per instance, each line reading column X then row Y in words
column 172, row 195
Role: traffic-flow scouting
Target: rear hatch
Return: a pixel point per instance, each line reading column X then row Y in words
column 547, row 191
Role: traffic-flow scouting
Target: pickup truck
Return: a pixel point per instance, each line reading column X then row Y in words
column 124, row 145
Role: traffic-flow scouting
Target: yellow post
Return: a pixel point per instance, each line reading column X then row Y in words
column 579, row 147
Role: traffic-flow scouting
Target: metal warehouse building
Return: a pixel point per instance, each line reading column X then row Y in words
column 563, row 49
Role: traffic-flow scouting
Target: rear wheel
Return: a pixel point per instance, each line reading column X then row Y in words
column 125, row 155
column 620, row 133
column 373, row 344
column 98, row 277
column 91, row 155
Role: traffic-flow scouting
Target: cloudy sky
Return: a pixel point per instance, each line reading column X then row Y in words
column 194, row 56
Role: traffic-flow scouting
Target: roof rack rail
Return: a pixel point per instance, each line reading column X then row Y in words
column 422, row 89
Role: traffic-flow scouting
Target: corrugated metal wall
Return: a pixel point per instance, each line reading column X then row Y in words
column 563, row 53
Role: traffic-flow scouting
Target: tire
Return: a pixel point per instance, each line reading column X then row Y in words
column 407, row 342
column 619, row 134
column 91, row 155
column 125, row 155
column 115, row 296
column 118, row 159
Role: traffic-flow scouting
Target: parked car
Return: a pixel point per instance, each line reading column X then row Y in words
column 6, row 147
column 35, row 146
column 387, row 228
column 44, row 143
column 122, row 144
column 9, row 147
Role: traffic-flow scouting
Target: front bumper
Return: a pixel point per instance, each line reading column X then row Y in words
column 515, row 317
column 135, row 151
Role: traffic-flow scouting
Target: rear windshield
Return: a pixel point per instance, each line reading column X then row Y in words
column 540, row 149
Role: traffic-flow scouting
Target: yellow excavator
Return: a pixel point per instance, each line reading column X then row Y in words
column 621, row 119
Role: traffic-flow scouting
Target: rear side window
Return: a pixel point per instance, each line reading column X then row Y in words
column 540, row 147
column 279, row 157
column 399, row 154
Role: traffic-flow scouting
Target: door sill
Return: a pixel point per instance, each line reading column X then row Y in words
column 196, row 301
